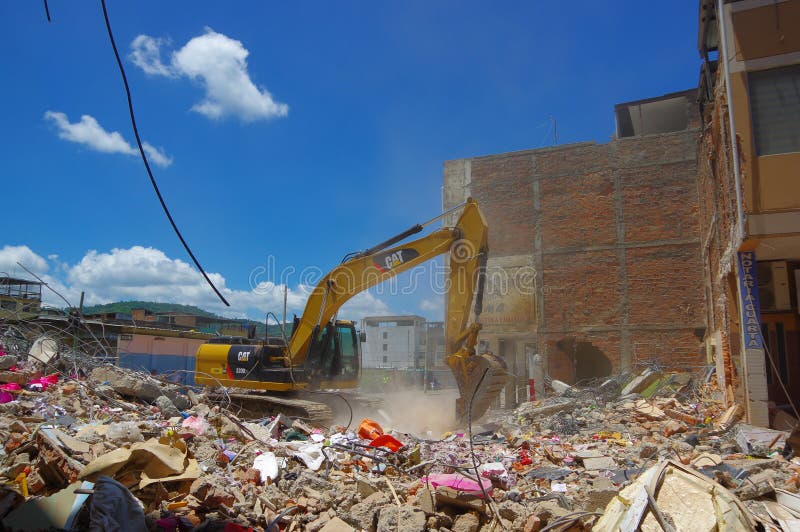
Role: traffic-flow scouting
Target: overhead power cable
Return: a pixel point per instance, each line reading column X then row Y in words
column 147, row 164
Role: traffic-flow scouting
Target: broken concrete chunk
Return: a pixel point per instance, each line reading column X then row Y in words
column 364, row 514
column 166, row 407
column 534, row 411
column 74, row 445
column 758, row 441
column 427, row 501
column 598, row 464
column 401, row 519
column 127, row 384
column 365, row 489
column 640, row 382
column 337, row 525
column 648, row 411
column 466, row 523
column 560, row 387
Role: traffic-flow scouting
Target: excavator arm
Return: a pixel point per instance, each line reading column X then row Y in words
column 479, row 377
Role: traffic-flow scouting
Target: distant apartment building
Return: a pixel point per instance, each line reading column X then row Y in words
column 197, row 322
column 19, row 298
column 749, row 184
column 394, row 342
column 434, row 343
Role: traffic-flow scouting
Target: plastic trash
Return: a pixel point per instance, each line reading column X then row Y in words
column 459, row 482
column 267, row 465
column 341, row 439
column 196, row 425
column 311, row 455
column 10, row 387
column 5, row 397
column 125, row 431
column 294, row 435
column 369, row 429
column 492, row 470
column 43, row 383
column 385, row 440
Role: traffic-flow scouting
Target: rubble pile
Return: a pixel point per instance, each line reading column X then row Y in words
column 114, row 449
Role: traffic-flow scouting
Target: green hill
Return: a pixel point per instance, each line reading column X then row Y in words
column 124, row 307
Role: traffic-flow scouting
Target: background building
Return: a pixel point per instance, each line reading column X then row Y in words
column 19, row 298
column 594, row 248
column 396, row 342
column 750, row 199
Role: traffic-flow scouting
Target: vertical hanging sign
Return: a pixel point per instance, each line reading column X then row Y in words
column 748, row 287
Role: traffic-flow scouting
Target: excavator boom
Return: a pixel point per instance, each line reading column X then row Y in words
column 323, row 352
column 479, row 377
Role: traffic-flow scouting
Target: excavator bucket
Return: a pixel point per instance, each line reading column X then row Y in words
column 480, row 379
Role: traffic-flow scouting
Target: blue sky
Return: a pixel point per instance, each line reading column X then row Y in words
column 297, row 131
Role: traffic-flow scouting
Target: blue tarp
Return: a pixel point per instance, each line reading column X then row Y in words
column 161, row 364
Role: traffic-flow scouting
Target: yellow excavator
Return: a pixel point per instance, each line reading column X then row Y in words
column 323, row 352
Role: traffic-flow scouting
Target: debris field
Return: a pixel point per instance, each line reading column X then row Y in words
column 96, row 447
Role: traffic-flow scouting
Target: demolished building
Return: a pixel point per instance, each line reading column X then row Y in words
column 750, row 200
column 595, row 251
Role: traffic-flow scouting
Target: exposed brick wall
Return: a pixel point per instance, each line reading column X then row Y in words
column 502, row 186
column 581, row 290
column 576, row 209
column 660, row 205
column 614, row 233
column 717, row 219
column 665, row 286
column 675, row 350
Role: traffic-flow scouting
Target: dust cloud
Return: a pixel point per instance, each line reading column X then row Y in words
column 412, row 411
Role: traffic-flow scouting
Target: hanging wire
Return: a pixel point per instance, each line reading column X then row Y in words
column 147, row 164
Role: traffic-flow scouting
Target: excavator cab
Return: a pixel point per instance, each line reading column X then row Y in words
column 334, row 360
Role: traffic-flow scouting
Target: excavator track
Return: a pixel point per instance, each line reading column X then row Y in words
column 347, row 405
column 257, row 406
column 486, row 378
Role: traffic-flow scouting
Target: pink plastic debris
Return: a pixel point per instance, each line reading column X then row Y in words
column 44, row 383
column 459, row 482
column 197, row 425
column 6, row 397
column 10, row 387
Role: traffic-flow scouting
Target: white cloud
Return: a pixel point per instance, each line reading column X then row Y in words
column 11, row 255
column 432, row 305
column 363, row 305
column 148, row 274
column 156, row 155
column 220, row 64
column 146, row 54
column 90, row 133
